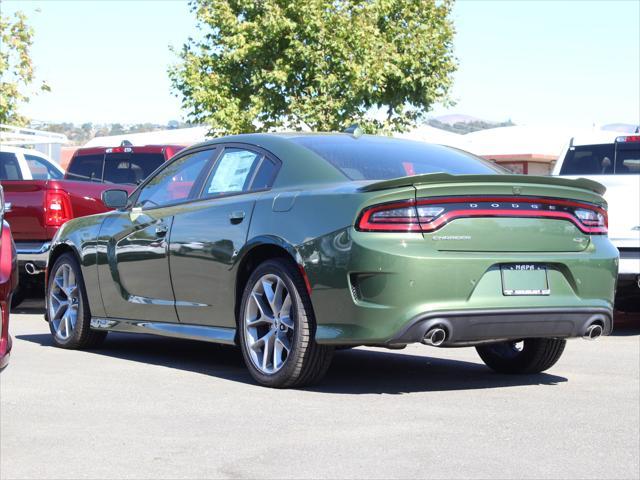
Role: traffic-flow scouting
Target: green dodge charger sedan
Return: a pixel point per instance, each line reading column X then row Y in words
column 290, row 245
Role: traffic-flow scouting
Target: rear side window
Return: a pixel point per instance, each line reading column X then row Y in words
column 41, row 170
column 589, row 160
column 265, row 175
column 379, row 158
column 131, row 168
column 232, row 173
column 9, row 167
column 86, row 168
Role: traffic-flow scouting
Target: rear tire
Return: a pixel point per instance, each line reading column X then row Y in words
column 277, row 328
column 68, row 308
column 535, row 355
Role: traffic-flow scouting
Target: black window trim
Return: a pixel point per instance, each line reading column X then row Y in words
column 217, row 149
column 265, row 155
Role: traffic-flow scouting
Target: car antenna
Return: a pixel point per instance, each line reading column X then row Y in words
column 354, row 130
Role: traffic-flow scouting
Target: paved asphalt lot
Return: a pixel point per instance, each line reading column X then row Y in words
column 146, row 407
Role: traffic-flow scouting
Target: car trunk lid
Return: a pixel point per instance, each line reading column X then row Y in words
column 504, row 213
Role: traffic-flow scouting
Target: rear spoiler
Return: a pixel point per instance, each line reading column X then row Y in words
column 435, row 178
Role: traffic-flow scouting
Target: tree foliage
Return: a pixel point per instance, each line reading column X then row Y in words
column 319, row 64
column 16, row 67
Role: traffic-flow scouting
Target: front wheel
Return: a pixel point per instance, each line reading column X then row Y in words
column 531, row 355
column 277, row 328
column 68, row 308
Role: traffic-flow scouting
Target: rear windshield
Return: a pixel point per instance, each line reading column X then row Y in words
column 131, row 168
column 603, row 159
column 9, row 167
column 379, row 158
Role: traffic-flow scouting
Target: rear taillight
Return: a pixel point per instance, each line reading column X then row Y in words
column 57, row 208
column 630, row 138
column 429, row 215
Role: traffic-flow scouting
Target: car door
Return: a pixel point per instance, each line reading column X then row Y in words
column 135, row 282
column 206, row 239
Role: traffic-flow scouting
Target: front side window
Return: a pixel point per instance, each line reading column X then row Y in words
column 87, row 168
column 174, row 182
column 232, row 173
column 9, row 167
column 41, row 169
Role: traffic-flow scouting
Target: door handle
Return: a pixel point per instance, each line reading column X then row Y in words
column 236, row 217
column 161, row 230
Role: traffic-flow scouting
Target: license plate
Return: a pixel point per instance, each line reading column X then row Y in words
column 524, row 279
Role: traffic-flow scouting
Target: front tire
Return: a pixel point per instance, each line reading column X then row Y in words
column 531, row 355
column 277, row 328
column 68, row 308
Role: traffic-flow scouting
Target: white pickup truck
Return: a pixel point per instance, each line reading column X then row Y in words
column 613, row 159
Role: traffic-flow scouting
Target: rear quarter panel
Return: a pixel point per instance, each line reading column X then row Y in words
column 27, row 209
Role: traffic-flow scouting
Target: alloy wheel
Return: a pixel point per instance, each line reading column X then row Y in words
column 64, row 299
column 268, row 324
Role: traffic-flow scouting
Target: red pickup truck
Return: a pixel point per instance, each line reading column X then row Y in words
column 40, row 197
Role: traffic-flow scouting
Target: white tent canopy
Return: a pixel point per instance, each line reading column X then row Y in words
column 427, row 133
column 535, row 140
column 46, row 142
column 177, row 136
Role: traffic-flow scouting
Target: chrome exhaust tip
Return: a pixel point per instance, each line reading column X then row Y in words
column 31, row 269
column 593, row 331
column 435, row 336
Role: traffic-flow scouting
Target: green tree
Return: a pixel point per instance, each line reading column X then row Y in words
column 16, row 67
column 322, row 64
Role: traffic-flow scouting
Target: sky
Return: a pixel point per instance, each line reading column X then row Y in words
column 573, row 62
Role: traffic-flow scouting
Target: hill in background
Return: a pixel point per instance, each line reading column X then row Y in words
column 462, row 124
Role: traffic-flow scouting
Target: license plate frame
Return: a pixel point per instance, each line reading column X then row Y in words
column 524, row 279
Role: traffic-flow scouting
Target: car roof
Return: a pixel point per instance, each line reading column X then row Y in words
column 261, row 139
column 599, row 137
column 28, row 151
column 135, row 149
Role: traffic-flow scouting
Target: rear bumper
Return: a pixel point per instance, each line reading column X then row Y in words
column 383, row 288
column 474, row 327
column 629, row 262
column 35, row 253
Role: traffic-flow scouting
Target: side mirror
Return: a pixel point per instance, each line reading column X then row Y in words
column 116, row 199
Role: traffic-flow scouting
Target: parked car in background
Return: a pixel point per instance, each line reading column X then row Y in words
column 289, row 245
column 125, row 164
column 8, row 282
column 41, row 197
column 38, row 201
column 613, row 160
